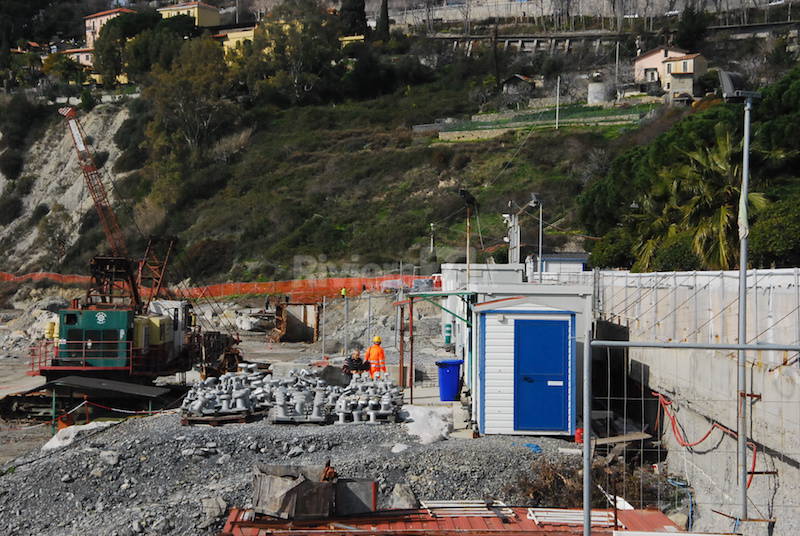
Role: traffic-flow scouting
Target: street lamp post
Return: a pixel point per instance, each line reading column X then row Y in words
column 733, row 90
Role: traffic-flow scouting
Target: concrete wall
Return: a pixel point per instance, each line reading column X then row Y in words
column 702, row 307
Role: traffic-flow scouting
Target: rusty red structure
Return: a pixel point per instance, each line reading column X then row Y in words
column 243, row 522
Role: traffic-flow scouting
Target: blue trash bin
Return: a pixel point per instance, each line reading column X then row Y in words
column 449, row 379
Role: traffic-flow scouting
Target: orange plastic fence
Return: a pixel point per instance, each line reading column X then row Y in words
column 298, row 289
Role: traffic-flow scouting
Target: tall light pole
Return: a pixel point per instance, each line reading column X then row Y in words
column 471, row 203
column 535, row 201
column 732, row 90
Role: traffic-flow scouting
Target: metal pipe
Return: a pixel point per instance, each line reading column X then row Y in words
column 323, row 326
column 541, row 264
column 53, row 412
column 346, row 326
column 741, row 383
column 411, row 347
column 587, row 418
column 402, row 346
column 696, row 346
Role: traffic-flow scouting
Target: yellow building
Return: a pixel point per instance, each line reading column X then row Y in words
column 204, row 15
column 231, row 37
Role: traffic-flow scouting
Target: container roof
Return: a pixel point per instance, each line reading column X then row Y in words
column 516, row 301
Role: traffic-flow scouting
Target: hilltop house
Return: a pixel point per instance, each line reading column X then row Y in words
column 81, row 56
column 680, row 76
column 233, row 36
column 518, row 84
column 648, row 67
column 92, row 25
column 203, row 14
column 94, row 22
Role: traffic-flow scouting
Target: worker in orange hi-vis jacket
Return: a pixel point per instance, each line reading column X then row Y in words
column 375, row 357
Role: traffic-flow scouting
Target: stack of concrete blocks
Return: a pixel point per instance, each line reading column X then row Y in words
column 301, row 397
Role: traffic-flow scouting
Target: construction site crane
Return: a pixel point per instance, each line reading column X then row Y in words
column 119, row 282
column 116, row 280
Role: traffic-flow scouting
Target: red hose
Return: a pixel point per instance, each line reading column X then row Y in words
column 676, row 431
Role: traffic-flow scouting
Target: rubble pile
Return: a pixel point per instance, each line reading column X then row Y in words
column 153, row 476
column 302, row 396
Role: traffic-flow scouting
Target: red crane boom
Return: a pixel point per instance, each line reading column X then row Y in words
column 146, row 279
column 108, row 220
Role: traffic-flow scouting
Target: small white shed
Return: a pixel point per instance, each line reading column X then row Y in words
column 522, row 379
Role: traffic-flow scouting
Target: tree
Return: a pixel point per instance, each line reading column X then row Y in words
column 700, row 197
column 62, row 68
column 189, row 99
column 17, row 20
column 300, row 54
column 382, row 26
column 108, row 52
column 353, row 17
column 111, row 43
column 692, row 28
column 775, row 237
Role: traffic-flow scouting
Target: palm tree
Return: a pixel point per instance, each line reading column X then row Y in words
column 700, row 196
column 712, row 180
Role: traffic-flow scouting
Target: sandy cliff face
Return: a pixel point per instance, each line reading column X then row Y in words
column 53, row 163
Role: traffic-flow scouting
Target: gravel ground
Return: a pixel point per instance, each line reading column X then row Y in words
column 148, row 476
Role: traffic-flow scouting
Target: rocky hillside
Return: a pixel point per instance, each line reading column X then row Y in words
column 53, row 193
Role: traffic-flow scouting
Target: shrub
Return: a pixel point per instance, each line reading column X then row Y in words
column 100, row 158
column 24, row 185
column 39, row 212
column 130, row 159
column 10, row 208
column 775, row 237
column 207, row 257
column 613, row 250
column 676, row 254
column 87, row 100
column 11, row 163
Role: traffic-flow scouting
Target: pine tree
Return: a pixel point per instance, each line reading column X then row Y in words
column 382, row 29
column 354, row 17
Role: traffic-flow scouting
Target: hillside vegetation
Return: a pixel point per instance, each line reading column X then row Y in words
column 673, row 204
column 292, row 151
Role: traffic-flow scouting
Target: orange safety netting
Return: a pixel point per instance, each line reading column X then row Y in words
column 297, row 289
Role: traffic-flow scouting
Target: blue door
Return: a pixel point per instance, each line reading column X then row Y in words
column 541, row 380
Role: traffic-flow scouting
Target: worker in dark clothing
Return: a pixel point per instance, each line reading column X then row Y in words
column 354, row 363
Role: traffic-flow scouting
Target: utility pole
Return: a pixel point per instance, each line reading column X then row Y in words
column 431, row 238
column 558, row 97
column 471, row 203
column 469, row 217
column 513, row 238
column 616, row 72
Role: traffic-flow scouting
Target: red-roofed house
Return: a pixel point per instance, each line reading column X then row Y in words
column 95, row 21
column 203, row 14
column 648, row 67
column 82, row 56
column 681, row 73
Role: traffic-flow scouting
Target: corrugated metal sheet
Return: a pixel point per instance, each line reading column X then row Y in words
column 419, row 522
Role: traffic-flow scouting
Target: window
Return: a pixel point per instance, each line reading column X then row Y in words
column 685, row 66
column 669, row 68
column 70, row 319
column 667, row 85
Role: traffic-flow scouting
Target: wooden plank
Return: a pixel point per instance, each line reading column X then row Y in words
column 634, row 436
